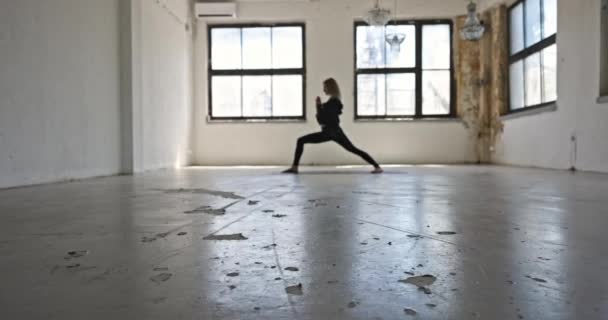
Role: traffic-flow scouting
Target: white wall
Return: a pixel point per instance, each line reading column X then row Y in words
column 93, row 87
column 545, row 140
column 59, row 90
column 329, row 45
column 165, row 117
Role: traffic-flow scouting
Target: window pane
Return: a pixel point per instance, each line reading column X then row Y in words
column 436, row 47
column 226, row 48
column 257, row 52
column 533, row 80
column 516, row 75
column 436, row 92
column 550, row 74
column 370, row 47
column 533, row 25
column 226, row 96
column 517, row 28
column 401, row 94
column 371, row 95
column 257, row 96
column 405, row 56
column 287, row 96
column 550, row 18
column 287, row 47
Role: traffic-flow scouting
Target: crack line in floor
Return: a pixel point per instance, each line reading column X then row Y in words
column 180, row 250
column 249, row 213
column 280, row 269
column 416, row 233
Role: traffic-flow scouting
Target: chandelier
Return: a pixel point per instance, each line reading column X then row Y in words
column 377, row 17
column 473, row 29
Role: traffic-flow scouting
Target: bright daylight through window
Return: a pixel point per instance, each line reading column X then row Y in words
column 256, row 72
column 533, row 53
column 412, row 80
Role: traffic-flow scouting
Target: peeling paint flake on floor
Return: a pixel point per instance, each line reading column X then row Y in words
column 446, row 233
column 155, row 237
column 410, row 312
column 221, row 194
column 76, row 254
column 159, row 278
column 420, row 281
column 208, row 210
column 161, row 269
column 537, row 279
column 226, row 237
column 296, row 290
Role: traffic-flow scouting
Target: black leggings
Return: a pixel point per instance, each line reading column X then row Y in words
column 331, row 134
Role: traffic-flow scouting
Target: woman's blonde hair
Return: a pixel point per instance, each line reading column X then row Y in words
column 332, row 88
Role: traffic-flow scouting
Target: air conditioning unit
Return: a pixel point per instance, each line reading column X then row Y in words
column 210, row 10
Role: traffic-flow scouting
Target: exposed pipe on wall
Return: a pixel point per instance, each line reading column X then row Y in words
column 184, row 21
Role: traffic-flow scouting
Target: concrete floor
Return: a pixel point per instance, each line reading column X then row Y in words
column 529, row 244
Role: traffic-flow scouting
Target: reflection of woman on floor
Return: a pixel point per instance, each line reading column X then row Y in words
column 328, row 116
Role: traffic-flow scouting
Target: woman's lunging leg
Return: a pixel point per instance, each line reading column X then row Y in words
column 317, row 137
column 343, row 140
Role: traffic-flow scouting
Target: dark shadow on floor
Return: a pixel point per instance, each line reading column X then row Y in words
column 309, row 173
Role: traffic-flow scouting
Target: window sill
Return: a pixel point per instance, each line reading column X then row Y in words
column 602, row 99
column 429, row 119
column 253, row 121
column 550, row 107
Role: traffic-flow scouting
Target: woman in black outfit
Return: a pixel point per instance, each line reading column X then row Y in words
column 328, row 116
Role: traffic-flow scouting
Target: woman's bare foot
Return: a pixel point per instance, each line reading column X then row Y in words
column 377, row 170
column 291, row 170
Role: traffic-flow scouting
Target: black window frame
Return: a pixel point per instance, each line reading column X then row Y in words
column 417, row 70
column 526, row 52
column 254, row 72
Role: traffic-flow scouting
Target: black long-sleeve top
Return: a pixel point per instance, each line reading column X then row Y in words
column 328, row 113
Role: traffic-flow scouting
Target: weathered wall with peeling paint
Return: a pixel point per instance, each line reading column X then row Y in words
column 481, row 75
column 494, row 93
column 467, row 64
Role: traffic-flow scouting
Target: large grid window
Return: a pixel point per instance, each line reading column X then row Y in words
column 413, row 81
column 256, row 72
column 533, row 53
